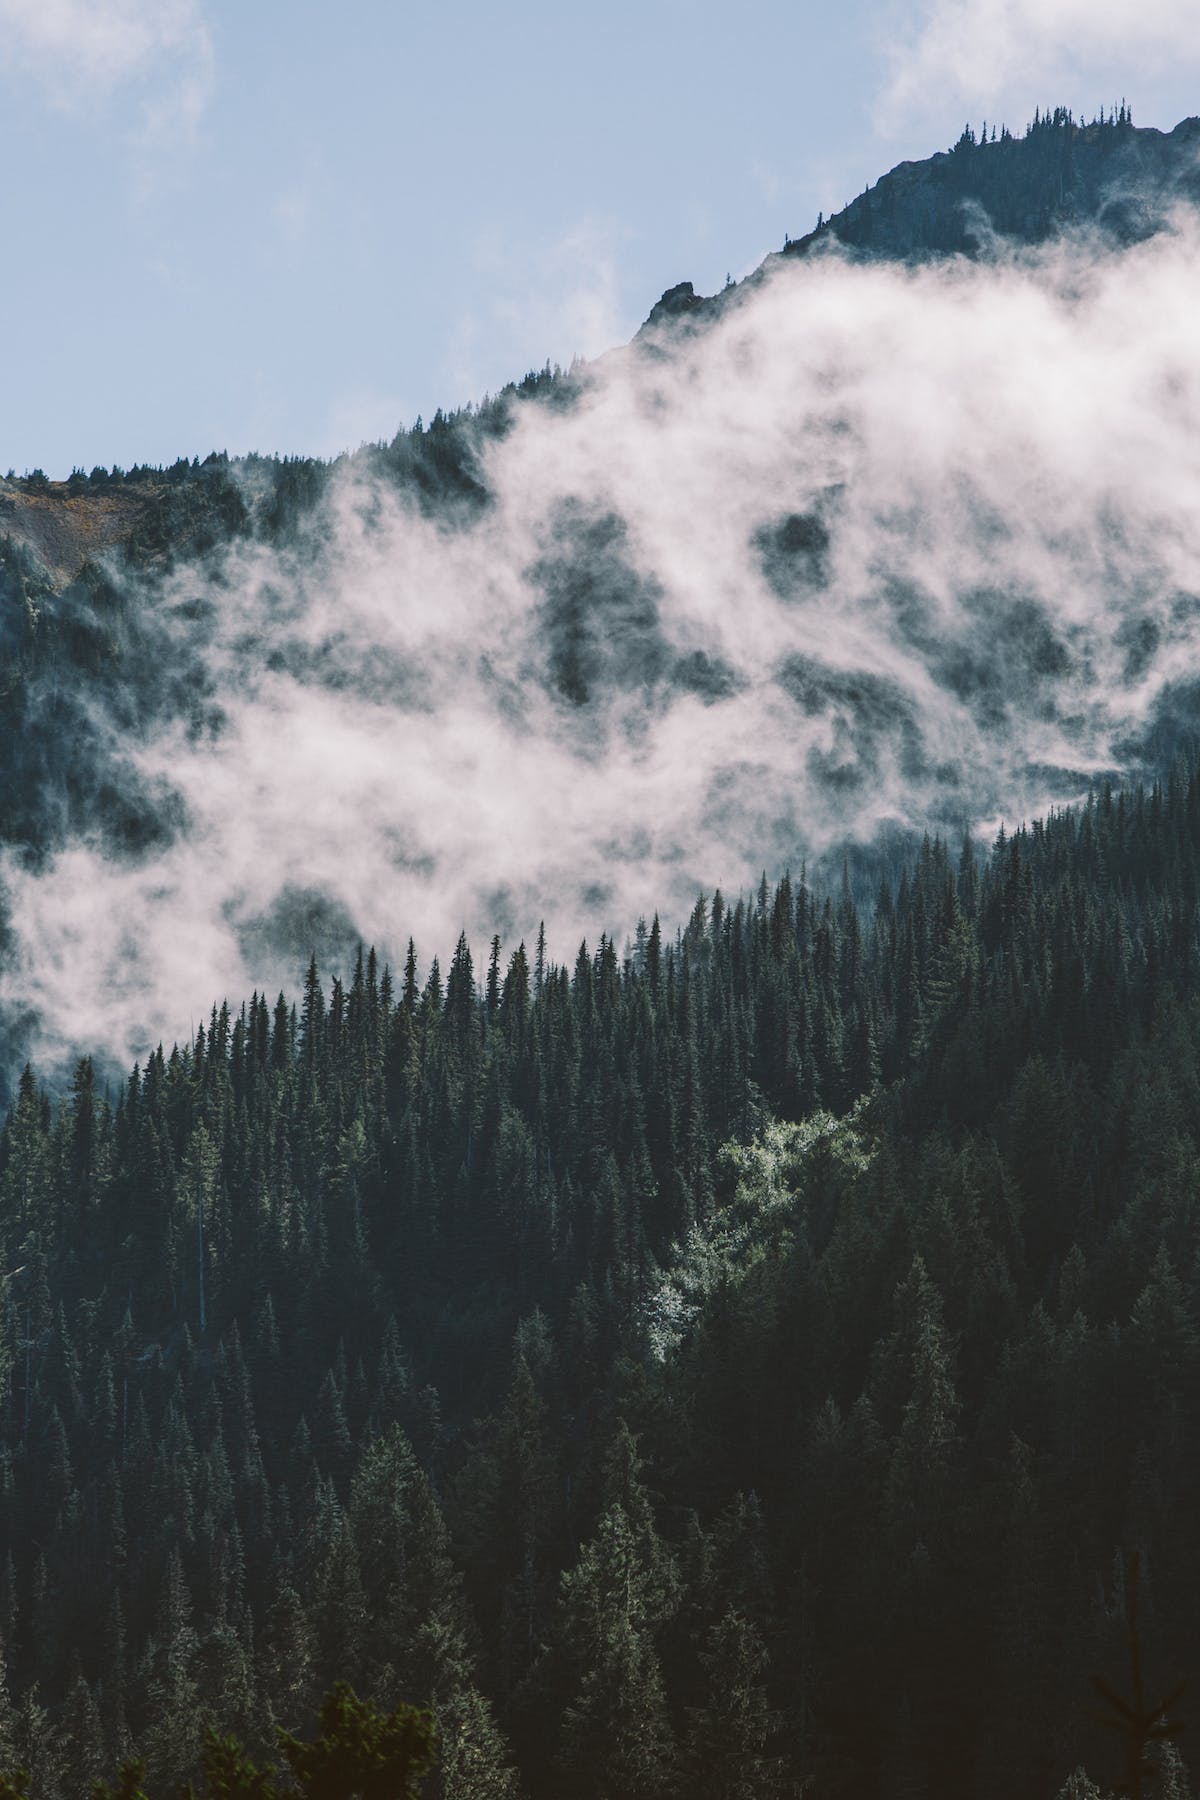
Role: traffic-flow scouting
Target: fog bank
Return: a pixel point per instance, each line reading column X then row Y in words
column 880, row 548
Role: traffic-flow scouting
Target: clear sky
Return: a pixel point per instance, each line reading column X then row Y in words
column 247, row 224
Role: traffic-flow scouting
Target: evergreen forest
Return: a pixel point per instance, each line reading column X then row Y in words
column 751, row 1362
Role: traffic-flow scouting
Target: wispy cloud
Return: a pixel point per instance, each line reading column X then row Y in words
column 884, row 548
column 292, row 213
column 984, row 55
column 534, row 302
column 362, row 415
column 83, row 52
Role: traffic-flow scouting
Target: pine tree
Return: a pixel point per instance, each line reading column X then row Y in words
column 285, row 1658
column 616, row 1736
column 172, row 1740
column 728, row 1757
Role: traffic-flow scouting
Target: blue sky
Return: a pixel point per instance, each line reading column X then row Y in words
column 290, row 227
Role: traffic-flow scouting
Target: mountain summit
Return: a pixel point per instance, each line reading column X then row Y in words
column 1123, row 179
column 1061, row 173
column 885, row 540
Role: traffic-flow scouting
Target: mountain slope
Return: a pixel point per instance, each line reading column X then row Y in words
column 893, row 544
column 1121, row 178
column 741, row 1366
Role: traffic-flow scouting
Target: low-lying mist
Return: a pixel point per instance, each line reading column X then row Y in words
column 877, row 549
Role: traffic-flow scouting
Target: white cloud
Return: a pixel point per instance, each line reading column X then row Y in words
column 84, row 51
column 1011, row 586
column 986, row 55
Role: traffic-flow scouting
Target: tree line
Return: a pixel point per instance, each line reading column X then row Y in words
column 736, row 1364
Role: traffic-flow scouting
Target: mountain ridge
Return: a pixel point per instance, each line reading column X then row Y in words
column 844, row 566
column 1123, row 179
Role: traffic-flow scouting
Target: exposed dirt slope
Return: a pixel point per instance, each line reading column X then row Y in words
column 65, row 529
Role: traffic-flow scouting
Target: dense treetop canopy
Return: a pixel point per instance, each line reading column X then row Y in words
column 744, row 1360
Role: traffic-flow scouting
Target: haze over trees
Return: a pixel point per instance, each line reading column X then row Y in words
column 739, row 1360
column 748, row 657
